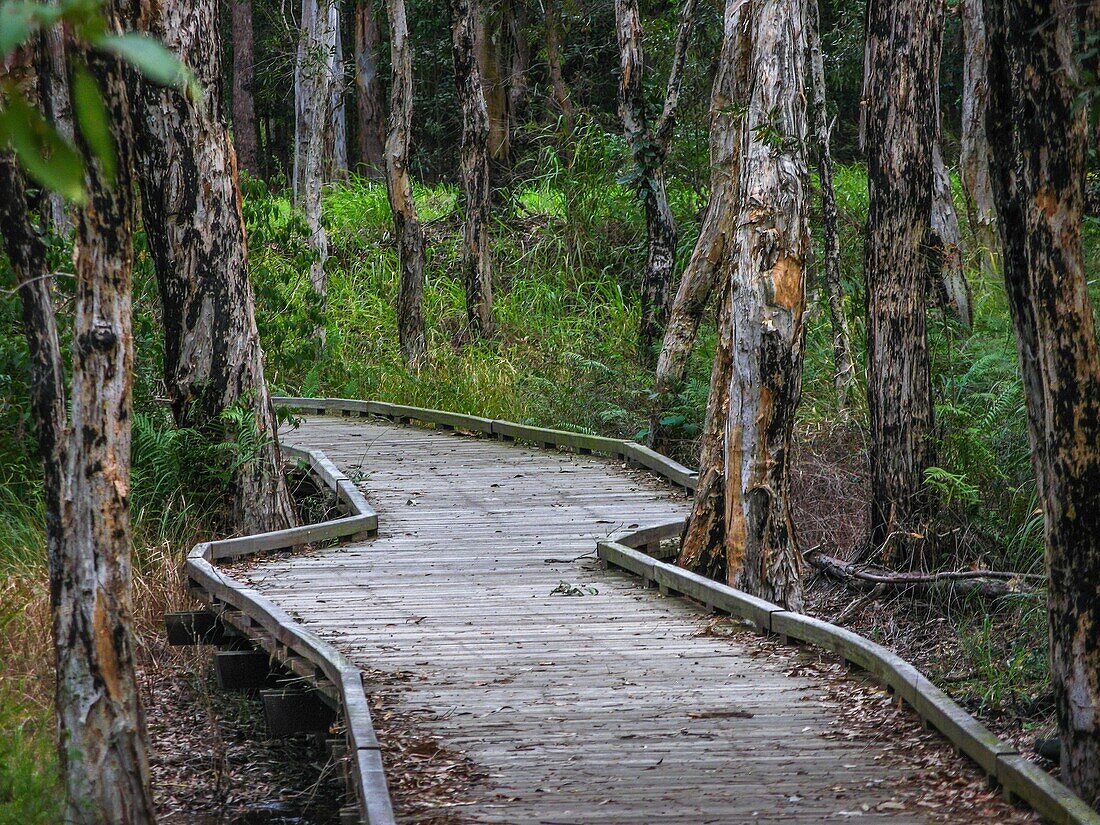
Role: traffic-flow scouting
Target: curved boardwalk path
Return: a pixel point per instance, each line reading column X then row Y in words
column 608, row 707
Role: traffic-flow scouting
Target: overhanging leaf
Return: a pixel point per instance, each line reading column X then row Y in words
column 93, row 120
column 45, row 155
column 152, row 59
column 19, row 20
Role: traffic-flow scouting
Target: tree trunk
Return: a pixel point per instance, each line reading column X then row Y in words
column 369, row 83
column 704, row 542
column 1038, row 133
column 191, row 205
column 406, row 223
column 519, row 63
column 490, row 59
column 313, row 97
column 898, row 133
column 649, row 149
column 843, row 361
column 53, row 82
column 558, row 90
column 102, row 727
column 27, row 255
column 703, row 270
column 244, row 104
column 946, row 270
column 336, row 140
column 767, row 300
column 974, row 163
column 476, row 268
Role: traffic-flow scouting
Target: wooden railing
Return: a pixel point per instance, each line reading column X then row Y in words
column 338, row 681
column 632, row 552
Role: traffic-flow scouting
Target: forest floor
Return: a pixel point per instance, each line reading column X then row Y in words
column 969, row 647
column 212, row 761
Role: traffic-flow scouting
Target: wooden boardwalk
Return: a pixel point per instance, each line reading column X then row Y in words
column 611, row 706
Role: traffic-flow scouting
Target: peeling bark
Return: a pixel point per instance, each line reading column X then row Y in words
column 244, row 103
column 191, row 205
column 974, row 163
column 406, row 223
column 946, row 270
column 843, row 362
column 368, row 80
column 702, row 548
column 898, row 134
column 649, row 148
column 709, row 254
column 1039, row 134
column 53, row 81
column 102, row 727
column 314, row 81
column 741, row 522
column 336, row 122
column 476, row 266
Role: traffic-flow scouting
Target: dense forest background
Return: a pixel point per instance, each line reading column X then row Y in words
column 568, row 245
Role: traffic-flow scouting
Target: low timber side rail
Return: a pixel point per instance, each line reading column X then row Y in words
column 337, row 680
column 635, row 552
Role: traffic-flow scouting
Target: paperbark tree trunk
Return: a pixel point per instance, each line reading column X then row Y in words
column 368, row 80
column 649, row 149
column 898, row 134
column 767, row 301
column 558, row 90
column 974, row 162
column 704, row 269
column 703, row 547
column 27, row 255
column 244, row 104
column 314, row 79
column 476, row 267
column 191, row 204
column 53, row 81
column 843, row 362
column 1039, row 135
column 86, row 466
column 519, row 63
column 490, row 58
column 406, row 223
column 336, row 137
column 947, row 274
column 102, row 727
column 946, row 271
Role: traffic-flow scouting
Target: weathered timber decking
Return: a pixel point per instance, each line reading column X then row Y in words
column 608, row 707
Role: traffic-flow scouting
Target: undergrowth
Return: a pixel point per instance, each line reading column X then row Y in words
column 568, row 247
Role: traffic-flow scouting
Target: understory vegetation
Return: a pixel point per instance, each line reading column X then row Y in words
column 567, row 244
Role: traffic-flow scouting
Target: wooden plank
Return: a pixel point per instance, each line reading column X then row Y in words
column 453, row 594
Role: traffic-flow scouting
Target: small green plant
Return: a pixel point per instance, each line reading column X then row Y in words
column 30, row 787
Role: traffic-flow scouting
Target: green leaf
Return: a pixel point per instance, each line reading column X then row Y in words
column 44, row 154
column 19, row 20
column 93, row 120
column 152, row 59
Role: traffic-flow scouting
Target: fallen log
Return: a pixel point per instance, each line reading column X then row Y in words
column 989, row 583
